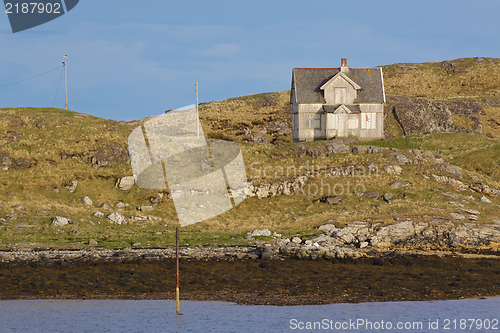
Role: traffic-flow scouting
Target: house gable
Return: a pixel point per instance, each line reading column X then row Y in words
column 340, row 89
column 342, row 109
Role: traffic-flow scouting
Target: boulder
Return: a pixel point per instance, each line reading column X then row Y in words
column 451, row 169
column 86, row 201
column 471, row 211
column 371, row 194
column 393, row 169
column 121, row 204
column 343, row 235
column 388, row 197
column 400, row 158
column 105, row 206
column 327, row 227
column 485, row 199
column 253, row 137
column 117, row 218
column 336, row 148
column 259, row 232
column 125, row 183
column 333, row 200
column 5, row 161
column 399, row 184
column 393, row 234
column 99, row 214
column 60, row 221
column 71, row 186
column 457, row 216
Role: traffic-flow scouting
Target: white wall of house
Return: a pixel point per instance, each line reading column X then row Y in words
column 371, row 121
column 300, row 130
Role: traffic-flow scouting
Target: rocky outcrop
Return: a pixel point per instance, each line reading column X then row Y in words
column 267, row 190
column 438, row 233
column 278, row 127
column 253, row 137
column 110, row 156
column 421, row 116
column 6, row 162
column 335, row 147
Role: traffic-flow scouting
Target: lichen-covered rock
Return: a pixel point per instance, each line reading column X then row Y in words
column 125, row 183
column 393, row 169
column 71, row 186
column 259, row 232
column 393, row 234
column 112, row 155
column 279, row 127
column 399, row 184
column 117, row 218
column 99, row 214
column 86, row 201
column 5, row 161
column 60, row 221
column 400, row 158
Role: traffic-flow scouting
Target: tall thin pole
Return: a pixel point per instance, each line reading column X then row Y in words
column 197, row 114
column 177, row 258
column 66, row 78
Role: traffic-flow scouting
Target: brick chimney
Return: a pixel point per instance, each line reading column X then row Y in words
column 343, row 67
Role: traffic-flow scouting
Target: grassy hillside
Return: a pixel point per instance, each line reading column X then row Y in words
column 44, row 149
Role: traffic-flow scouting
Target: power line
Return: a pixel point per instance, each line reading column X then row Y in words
column 60, row 78
column 5, row 85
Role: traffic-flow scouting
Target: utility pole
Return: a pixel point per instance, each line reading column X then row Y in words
column 66, row 78
column 197, row 114
column 177, row 270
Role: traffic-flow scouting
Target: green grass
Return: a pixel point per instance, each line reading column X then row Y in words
column 82, row 135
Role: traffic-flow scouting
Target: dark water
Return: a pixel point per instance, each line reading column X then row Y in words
column 480, row 315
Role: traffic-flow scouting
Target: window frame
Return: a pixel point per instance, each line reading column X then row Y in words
column 311, row 120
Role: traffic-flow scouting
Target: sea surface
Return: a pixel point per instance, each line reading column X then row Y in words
column 470, row 315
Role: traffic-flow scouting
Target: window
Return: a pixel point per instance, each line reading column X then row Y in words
column 340, row 95
column 313, row 121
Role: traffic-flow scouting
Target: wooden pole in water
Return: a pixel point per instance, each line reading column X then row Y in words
column 177, row 258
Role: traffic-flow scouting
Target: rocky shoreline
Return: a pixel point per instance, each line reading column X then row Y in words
column 331, row 249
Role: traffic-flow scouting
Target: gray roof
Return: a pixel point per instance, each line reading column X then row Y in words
column 306, row 83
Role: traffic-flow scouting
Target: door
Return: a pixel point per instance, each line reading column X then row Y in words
column 342, row 124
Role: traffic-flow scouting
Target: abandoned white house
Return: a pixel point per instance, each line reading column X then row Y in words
column 337, row 102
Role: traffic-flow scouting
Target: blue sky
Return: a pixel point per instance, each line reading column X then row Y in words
column 130, row 59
